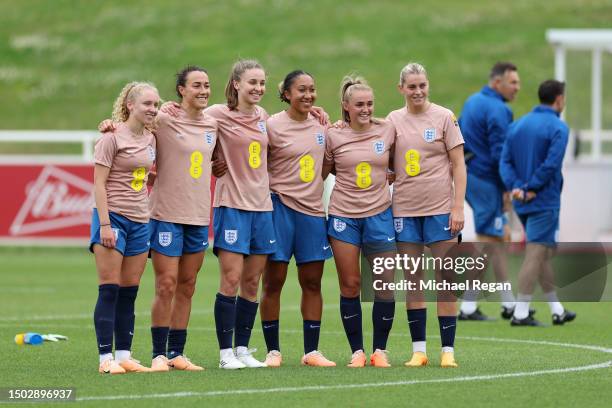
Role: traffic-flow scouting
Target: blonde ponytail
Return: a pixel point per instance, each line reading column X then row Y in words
column 129, row 93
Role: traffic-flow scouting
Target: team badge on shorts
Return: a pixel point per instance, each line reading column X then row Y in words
column 398, row 224
column 231, row 236
column 210, row 138
column 498, row 223
column 379, row 147
column 429, row 134
column 262, row 126
column 151, row 152
column 320, row 139
column 165, row 238
column 339, row 225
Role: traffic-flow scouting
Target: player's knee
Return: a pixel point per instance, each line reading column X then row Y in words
column 351, row 287
column 186, row 288
column 249, row 286
column 230, row 282
column 165, row 287
column 311, row 285
column 272, row 287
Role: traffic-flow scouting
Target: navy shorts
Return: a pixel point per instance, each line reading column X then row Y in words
column 300, row 235
column 131, row 238
column 423, row 230
column 487, row 202
column 244, row 232
column 374, row 234
column 541, row 227
column 173, row 239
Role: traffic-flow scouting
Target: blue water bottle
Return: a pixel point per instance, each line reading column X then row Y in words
column 33, row 339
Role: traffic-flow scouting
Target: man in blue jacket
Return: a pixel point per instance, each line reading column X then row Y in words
column 530, row 167
column 484, row 122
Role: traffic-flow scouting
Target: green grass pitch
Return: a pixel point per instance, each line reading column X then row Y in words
column 63, row 63
column 54, row 291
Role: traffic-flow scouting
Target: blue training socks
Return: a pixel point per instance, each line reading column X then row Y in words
column 104, row 316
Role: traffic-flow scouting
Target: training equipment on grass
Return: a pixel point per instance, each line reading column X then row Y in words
column 33, row 339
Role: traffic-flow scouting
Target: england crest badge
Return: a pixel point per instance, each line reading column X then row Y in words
column 398, row 223
column 210, row 138
column 262, row 126
column 231, row 236
column 429, row 135
column 339, row 225
column 151, row 152
column 165, row 238
column 379, row 146
column 320, row 139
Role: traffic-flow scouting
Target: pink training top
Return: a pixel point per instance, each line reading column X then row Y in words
column 181, row 193
column 295, row 161
column 361, row 159
column 244, row 141
column 423, row 184
column 129, row 158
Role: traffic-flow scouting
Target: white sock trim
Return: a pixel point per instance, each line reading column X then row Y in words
column 507, row 296
column 468, row 306
column 508, row 305
column 104, row 357
column 122, row 355
column 556, row 308
column 420, row 346
column 521, row 311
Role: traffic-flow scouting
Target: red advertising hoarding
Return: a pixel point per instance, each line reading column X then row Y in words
column 46, row 203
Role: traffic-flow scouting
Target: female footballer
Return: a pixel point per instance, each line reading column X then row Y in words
column 428, row 199
column 244, row 234
column 180, row 215
column 296, row 146
column 360, row 217
column 119, row 226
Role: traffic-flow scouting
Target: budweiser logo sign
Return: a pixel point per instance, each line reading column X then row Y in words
column 56, row 199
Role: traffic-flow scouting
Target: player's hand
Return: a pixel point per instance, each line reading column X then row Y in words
column 171, row 108
column 107, row 125
column 219, row 167
column 530, row 195
column 518, row 194
column 507, row 200
column 507, row 237
column 107, row 236
column 319, row 113
column 339, row 124
column 456, row 220
column 390, row 177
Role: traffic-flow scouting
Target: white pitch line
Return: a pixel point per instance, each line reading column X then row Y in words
column 78, row 316
column 366, row 332
column 349, row 386
column 541, row 343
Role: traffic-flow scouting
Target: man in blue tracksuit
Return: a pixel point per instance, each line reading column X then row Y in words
column 530, row 167
column 484, row 122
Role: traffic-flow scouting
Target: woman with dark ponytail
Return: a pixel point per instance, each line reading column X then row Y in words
column 180, row 215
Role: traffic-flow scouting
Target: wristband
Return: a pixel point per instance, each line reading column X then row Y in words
column 104, row 225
